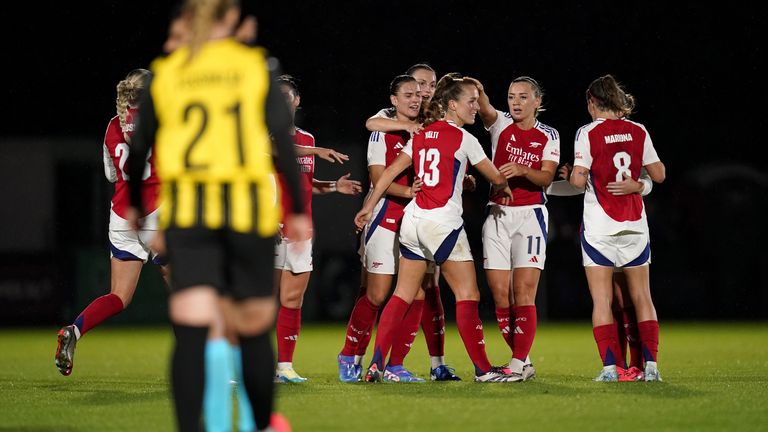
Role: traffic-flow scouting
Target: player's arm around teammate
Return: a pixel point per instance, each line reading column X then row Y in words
column 527, row 152
column 432, row 226
column 129, row 250
column 615, row 229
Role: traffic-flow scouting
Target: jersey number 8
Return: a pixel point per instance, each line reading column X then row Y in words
column 621, row 161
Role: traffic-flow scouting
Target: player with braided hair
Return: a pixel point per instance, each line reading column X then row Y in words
column 129, row 249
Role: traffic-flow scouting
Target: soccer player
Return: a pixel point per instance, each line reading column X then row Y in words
column 527, row 152
column 427, row 307
column 380, row 248
column 293, row 259
column 432, row 226
column 623, row 310
column 615, row 229
column 129, row 250
column 210, row 110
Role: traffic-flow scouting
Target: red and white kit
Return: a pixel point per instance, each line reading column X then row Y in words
column 381, row 248
column 296, row 257
column 515, row 235
column 615, row 228
column 126, row 244
column 432, row 227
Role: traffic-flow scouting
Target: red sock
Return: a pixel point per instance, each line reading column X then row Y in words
column 649, row 338
column 98, row 311
column 288, row 325
column 608, row 345
column 362, row 346
column 502, row 319
column 471, row 331
column 405, row 335
column 359, row 326
column 633, row 338
column 525, row 330
column 433, row 322
column 391, row 318
column 621, row 330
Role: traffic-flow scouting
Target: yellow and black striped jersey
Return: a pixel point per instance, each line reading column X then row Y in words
column 212, row 148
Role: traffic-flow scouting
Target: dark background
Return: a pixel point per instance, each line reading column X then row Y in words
column 695, row 71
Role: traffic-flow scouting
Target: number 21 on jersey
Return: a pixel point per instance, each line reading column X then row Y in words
column 430, row 158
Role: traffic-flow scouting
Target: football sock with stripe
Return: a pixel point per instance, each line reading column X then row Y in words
column 524, row 330
column 471, row 332
column 503, row 320
column 97, row 312
column 391, row 318
column 433, row 322
column 406, row 333
column 360, row 324
column 288, row 326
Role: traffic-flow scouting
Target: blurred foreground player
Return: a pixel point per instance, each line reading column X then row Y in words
column 210, row 110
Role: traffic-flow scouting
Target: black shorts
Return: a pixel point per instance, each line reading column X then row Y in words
column 237, row 265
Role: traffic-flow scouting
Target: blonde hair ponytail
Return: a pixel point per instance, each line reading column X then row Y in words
column 203, row 14
column 128, row 93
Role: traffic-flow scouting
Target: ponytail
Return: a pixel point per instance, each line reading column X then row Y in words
column 128, row 93
column 608, row 95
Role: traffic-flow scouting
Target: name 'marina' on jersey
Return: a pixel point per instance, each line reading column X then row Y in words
column 624, row 137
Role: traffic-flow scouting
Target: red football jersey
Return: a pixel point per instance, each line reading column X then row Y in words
column 307, row 173
column 609, row 148
column 529, row 147
column 441, row 153
column 116, row 152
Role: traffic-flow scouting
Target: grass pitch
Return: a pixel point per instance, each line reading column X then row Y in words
column 714, row 379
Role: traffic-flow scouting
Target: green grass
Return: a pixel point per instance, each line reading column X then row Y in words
column 714, row 379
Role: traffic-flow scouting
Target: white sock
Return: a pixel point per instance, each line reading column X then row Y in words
column 436, row 361
column 516, row 365
column 358, row 359
column 284, row 365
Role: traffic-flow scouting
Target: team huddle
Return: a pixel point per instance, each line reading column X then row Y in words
column 411, row 230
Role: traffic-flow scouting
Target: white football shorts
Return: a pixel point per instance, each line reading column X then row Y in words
column 515, row 237
column 624, row 250
column 428, row 240
column 295, row 257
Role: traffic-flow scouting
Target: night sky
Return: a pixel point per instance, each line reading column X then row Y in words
column 689, row 66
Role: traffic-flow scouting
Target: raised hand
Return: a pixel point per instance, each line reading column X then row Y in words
column 348, row 187
column 331, row 155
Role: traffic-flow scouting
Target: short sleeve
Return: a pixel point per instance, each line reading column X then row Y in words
column 473, row 149
column 582, row 155
column 649, row 152
column 552, row 148
column 408, row 149
column 387, row 113
column 377, row 149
